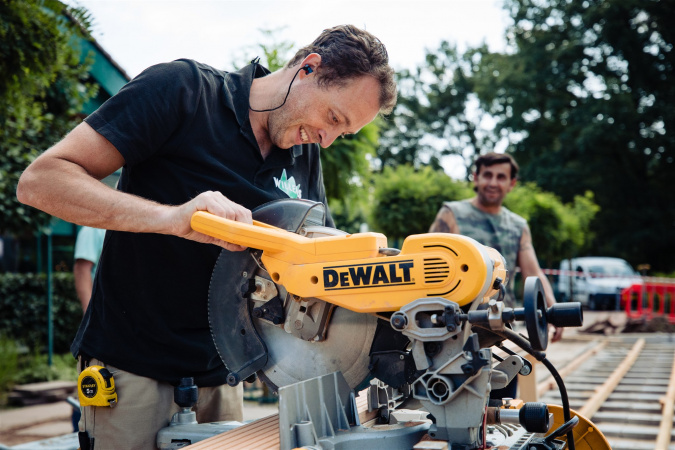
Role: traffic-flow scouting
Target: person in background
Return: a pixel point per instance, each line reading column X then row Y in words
column 88, row 246
column 191, row 138
column 485, row 219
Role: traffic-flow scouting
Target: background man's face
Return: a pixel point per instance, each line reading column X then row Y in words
column 493, row 183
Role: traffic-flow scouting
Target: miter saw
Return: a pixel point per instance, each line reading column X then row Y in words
column 319, row 314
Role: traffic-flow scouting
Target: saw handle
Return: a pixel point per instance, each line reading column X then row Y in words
column 258, row 235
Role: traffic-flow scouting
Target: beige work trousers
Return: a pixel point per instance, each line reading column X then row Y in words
column 144, row 406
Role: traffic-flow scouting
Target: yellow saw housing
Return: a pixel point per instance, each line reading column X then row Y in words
column 349, row 270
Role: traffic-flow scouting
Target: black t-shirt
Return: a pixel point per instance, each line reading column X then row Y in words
column 182, row 128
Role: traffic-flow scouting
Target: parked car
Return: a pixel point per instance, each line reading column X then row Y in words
column 596, row 282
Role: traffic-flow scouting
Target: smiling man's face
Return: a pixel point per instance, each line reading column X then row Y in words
column 493, row 183
column 315, row 114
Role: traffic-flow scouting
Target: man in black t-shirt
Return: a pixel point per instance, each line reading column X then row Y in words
column 192, row 138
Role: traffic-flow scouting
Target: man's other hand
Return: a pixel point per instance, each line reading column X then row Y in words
column 557, row 334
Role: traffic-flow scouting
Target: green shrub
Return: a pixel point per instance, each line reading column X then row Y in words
column 34, row 368
column 349, row 213
column 559, row 230
column 23, row 309
column 18, row 367
column 8, row 366
column 407, row 200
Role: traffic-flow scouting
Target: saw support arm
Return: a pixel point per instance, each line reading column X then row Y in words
column 349, row 270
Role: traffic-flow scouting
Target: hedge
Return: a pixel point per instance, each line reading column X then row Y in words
column 23, row 309
column 406, row 199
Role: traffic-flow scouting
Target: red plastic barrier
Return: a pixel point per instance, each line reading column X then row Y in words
column 649, row 300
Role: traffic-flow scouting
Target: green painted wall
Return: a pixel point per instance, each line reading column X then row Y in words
column 104, row 72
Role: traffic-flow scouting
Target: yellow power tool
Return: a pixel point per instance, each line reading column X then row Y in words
column 322, row 293
column 316, row 313
column 96, row 387
column 351, row 271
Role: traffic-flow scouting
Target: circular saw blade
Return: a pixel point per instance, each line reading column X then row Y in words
column 345, row 349
column 233, row 333
column 247, row 345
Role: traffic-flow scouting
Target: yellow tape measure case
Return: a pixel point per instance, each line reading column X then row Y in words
column 96, row 387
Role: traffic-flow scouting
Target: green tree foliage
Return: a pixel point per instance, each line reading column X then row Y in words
column 437, row 114
column 558, row 230
column 406, row 200
column 346, row 163
column 43, row 87
column 9, row 357
column 589, row 88
column 273, row 53
column 350, row 213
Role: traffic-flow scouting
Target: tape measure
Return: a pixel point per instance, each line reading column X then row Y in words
column 96, row 387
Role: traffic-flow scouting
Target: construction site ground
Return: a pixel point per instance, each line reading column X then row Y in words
column 43, row 421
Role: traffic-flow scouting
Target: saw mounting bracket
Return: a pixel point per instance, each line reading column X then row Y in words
column 272, row 310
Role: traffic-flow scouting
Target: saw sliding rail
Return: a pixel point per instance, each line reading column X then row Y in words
column 349, row 270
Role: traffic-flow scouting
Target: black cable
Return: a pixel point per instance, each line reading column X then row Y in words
column 285, row 98
column 502, row 292
column 540, row 356
column 563, row 398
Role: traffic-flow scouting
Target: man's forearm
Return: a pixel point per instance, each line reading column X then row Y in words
column 66, row 191
column 64, row 182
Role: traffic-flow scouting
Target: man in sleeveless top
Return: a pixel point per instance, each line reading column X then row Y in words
column 484, row 219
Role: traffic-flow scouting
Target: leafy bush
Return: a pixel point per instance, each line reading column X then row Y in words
column 23, row 309
column 34, row 368
column 8, row 366
column 349, row 213
column 43, row 88
column 17, row 367
column 407, row 200
column 558, row 230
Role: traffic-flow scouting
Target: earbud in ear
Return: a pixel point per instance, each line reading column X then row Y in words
column 307, row 69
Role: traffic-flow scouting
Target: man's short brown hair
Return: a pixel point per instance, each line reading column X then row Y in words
column 490, row 159
column 348, row 52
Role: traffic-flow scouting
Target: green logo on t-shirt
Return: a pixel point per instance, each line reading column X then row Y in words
column 288, row 186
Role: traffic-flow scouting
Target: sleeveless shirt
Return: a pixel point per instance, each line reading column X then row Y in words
column 500, row 231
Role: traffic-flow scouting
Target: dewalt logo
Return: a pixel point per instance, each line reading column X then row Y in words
column 362, row 276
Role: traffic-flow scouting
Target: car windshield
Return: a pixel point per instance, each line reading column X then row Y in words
column 612, row 270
